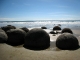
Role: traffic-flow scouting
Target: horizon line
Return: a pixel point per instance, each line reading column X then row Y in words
column 34, row 20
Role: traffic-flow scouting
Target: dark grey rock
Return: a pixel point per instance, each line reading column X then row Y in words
column 8, row 27
column 67, row 41
column 66, row 30
column 25, row 29
column 37, row 39
column 15, row 37
column 3, row 36
column 43, row 27
column 52, row 32
column 56, row 28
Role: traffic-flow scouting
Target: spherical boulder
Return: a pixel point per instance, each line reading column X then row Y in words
column 37, row 39
column 43, row 27
column 8, row 27
column 25, row 29
column 15, row 37
column 66, row 30
column 52, row 32
column 13, row 27
column 67, row 41
column 56, row 28
column 1, row 30
column 3, row 36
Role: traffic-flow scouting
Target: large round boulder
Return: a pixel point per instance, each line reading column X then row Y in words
column 15, row 37
column 67, row 30
column 25, row 29
column 3, row 36
column 67, row 41
column 13, row 27
column 37, row 39
column 56, row 28
column 8, row 27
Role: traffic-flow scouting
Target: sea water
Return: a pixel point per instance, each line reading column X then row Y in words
column 47, row 23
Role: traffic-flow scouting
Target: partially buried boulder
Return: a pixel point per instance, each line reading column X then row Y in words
column 52, row 32
column 15, row 37
column 56, row 28
column 67, row 41
column 25, row 29
column 43, row 27
column 37, row 39
column 8, row 27
column 66, row 30
column 3, row 36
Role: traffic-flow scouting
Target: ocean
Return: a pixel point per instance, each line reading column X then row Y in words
column 72, row 24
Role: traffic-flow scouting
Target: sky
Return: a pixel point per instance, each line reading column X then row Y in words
column 23, row 10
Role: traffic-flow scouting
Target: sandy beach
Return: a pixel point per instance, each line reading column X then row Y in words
column 8, row 52
column 39, row 29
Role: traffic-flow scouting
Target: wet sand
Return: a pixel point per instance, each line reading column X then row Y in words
column 8, row 52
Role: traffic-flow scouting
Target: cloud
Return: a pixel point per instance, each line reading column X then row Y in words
column 61, row 14
column 9, row 19
column 48, row 17
column 66, row 17
column 5, row 19
column 70, row 18
column 17, row 19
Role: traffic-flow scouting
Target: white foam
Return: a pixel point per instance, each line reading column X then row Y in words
column 47, row 30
